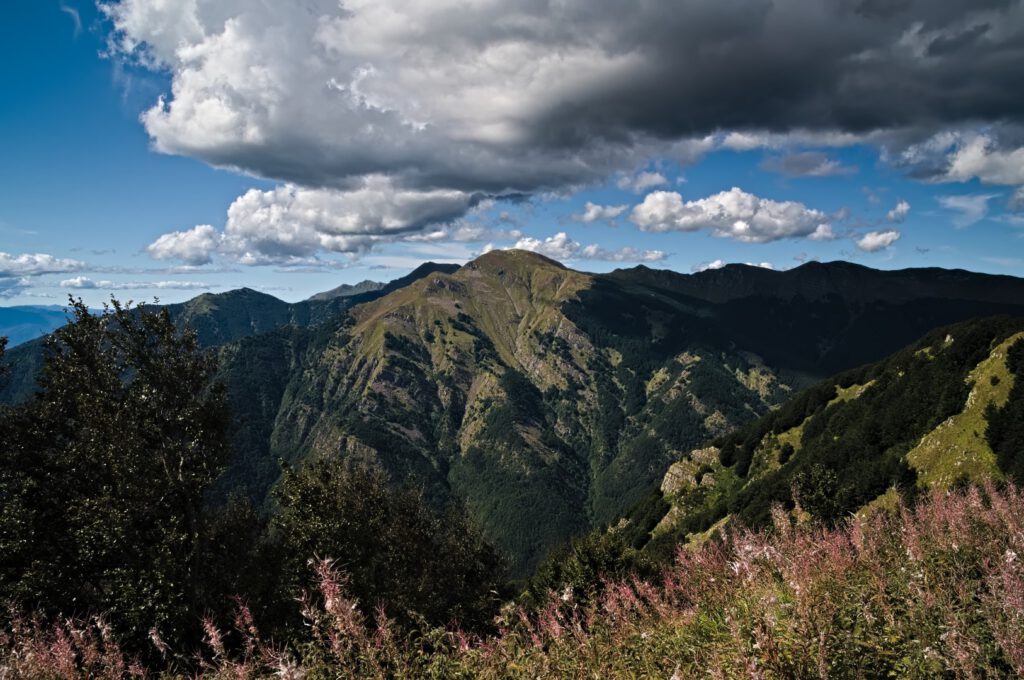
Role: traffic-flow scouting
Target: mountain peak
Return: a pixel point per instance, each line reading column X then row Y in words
column 243, row 292
column 513, row 259
column 834, row 265
column 431, row 267
column 349, row 290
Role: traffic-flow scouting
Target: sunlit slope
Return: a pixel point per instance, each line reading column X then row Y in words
column 920, row 419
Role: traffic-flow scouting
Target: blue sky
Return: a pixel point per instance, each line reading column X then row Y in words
column 240, row 178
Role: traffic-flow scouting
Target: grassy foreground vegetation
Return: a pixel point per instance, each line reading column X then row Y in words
column 933, row 591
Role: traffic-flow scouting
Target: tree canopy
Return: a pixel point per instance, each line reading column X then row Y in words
column 103, row 471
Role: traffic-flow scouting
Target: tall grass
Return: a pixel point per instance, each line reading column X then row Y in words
column 933, row 591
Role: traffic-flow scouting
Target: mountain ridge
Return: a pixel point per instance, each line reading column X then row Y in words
column 547, row 399
column 717, row 285
column 22, row 323
column 348, row 289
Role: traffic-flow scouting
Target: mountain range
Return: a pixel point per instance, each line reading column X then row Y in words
column 551, row 401
column 348, row 290
column 26, row 322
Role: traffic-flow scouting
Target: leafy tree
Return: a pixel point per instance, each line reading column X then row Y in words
column 102, row 474
column 817, row 490
column 396, row 551
column 240, row 563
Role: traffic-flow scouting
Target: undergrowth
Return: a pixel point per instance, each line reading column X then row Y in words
column 931, row 591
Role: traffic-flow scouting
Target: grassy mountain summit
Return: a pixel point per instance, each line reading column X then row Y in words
column 482, row 384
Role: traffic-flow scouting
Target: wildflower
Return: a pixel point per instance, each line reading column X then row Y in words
column 158, row 642
column 214, row 639
column 286, row 669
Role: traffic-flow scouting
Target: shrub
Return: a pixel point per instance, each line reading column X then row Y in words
column 396, row 551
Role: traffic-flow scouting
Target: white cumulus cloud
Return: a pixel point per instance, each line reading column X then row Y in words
column 899, row 212
column 592, row 212
column 642, row 181
column 705, row 266
column 17, row 272
column 34, row 264
column 562, row 247
column 823, row 232
column 289, row 223
column 731, row 214
column 195, row 246
column 85, row 283
column 10, row 286
column 521, row 95
column 963, row 156
column 873, row 241
column 980, row 157
column 456, row 101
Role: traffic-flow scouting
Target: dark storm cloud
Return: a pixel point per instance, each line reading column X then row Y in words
column 750, row 64
column 445, row 99
column 525, row 94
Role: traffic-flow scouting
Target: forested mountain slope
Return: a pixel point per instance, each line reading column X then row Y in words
column 945, row 411
column 552, row 400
